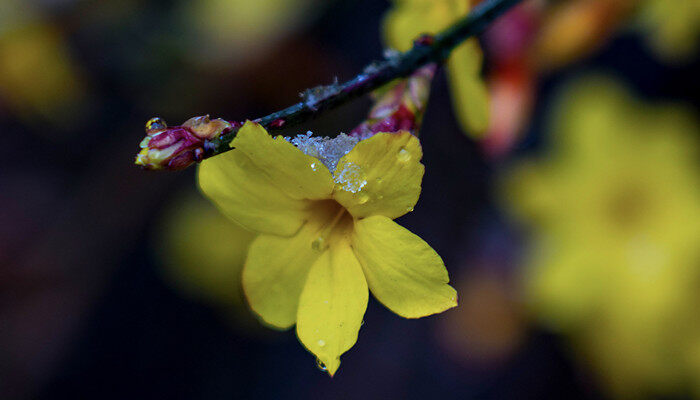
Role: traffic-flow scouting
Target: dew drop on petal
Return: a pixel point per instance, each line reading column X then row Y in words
column 321, row 365
column 403, row 155
column 362, row 198
column 321, row 343
column 313, row 166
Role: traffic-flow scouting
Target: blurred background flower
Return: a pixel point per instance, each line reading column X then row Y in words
column 202, row 254
column 673, row 28
column 614, row 217
column 409, row 19
column 40, row 80
column 540, row 37
column 224, row 31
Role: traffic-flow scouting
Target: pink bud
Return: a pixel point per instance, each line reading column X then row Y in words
column 177, row 147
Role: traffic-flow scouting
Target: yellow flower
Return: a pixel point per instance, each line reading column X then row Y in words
column 674, row 26
column 325, row 238
column 39, row 80
column 572, row 29
column 615, row 217
column 237, row 30
column 410, row 18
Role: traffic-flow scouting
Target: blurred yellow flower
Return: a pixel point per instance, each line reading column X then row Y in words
column 615, row 215
column 236, row 30
column 673, row 26
column 38, row 79
column 572, row 29
column 324, row 237
column 209, row 267
column 408, row 19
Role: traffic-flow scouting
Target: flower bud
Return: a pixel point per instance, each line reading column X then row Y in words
column 178, row 147
column 400, row 108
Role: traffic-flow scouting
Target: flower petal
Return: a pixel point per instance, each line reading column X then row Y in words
column 245, row 194
column 403, row 272
column 332, row 305
column 286, row 167
column 470, row 95
column 381, row 175
column 262, row 183
column 406, row 20
column 276, row 269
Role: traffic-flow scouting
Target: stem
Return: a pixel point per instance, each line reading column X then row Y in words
column 375, row 75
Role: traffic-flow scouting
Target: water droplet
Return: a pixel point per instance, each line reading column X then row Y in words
column 409, row 209
column 362, row 198
column 318, row 244
column 321, row 343
column 321, row 365
column 155, row 123
column 313, row 166
column 403, row 155
column 362, row 323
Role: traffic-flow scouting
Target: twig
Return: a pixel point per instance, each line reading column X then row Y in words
column 425, row 50
column 178, row 147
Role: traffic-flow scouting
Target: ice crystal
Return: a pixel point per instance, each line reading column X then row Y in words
column 392, row 56
column 350, row 178
column 311, row 97
column 325, row 149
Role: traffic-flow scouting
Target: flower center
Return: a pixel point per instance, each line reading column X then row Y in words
column 338, row 221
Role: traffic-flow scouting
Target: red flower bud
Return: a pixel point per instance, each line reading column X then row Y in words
column 400, row 108
column 177, row 147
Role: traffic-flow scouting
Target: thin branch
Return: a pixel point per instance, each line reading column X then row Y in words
column 375, row 75
column 426, row 49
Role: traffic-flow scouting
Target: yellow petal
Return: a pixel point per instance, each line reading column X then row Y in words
column 262, row 183
column 285, row 166
column 381, row 175
column 408, row 19
column 332, row 305
column 470, row 97
column 403, row 272
column 245, row 194
column 276, row 269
